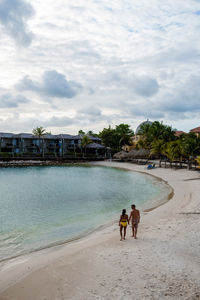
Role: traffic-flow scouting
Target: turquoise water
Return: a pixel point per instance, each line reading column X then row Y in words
column 42, row 206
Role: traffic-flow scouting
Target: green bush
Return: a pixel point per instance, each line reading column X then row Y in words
column 49, row 153
column 69, row 153
column 6, row 154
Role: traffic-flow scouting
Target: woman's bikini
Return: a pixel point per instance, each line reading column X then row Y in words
column 124, row 221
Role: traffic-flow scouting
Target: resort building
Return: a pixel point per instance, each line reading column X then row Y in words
column 178, row 133
column 135, row 138
column 49, row 146
column 196, row 131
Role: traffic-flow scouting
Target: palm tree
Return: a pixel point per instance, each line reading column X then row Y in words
column 157, row 148
column 173, row 150
column 156, row 131
column 85, row 141
column 40, row 132
column 124, row 134
column 81, row 132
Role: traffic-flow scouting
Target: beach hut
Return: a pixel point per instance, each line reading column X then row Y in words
column 96, row 149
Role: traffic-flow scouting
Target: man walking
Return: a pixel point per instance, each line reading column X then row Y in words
column 135, row 219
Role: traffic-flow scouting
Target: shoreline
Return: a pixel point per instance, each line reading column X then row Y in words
column 92, row 267
column 161, row 201
column 40, row 163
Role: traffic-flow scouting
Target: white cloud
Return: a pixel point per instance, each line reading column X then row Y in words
column 9, row 101
column 53, row 84
column 13, row 17
column 112, row 62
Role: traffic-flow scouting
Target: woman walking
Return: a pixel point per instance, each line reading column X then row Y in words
column 123, row 222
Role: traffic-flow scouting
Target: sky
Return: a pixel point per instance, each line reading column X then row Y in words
column 70, row 65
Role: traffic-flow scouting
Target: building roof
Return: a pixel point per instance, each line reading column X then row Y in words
column 195, row 130
column 178, row 133
column 6, row 135
column 47, row 136
column 95, row 146
column 67, row 136
column 25, row 135
column 92, row 138
column 143, row 123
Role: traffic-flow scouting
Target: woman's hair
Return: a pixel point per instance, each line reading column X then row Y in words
column 123, row 212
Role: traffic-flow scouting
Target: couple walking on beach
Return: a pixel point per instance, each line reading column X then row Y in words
column 124, row 221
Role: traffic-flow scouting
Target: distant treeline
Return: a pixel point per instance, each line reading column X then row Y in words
column 157, row 137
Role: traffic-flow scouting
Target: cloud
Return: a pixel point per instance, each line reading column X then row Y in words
column 25, row 123
column 58, row 122
column 90, row 111
column 182, row 102
column 134, row 60
column 13, row 17
column 185, row 97
column 53, row 84
column 8, row 101
column 142, row 85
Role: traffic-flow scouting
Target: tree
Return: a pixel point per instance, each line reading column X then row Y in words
column 81, row 132
column 173, row 150
column 191, row 145
column 115, row 138
column 91, row 133
column 109, row 138
column 155, row 135
column 124, row 133
column 40, row 132
column 157, row 148
column 85, row 141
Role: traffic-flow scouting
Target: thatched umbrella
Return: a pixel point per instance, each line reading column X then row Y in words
column 133, row 154
column 120, row 155
column 141, row 153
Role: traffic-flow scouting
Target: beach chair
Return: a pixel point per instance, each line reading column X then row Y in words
column 150, row 166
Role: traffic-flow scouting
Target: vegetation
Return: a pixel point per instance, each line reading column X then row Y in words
column 161, row 140
column 85, row 141
column 81, row 132
column 116, row 137
column 158, row 138
column 151, row 134
column 89, row 133
column 39, row 131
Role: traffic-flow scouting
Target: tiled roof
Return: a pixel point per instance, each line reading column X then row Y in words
column 195, row 130
column 179, row 133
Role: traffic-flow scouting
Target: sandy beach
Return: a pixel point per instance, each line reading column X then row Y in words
column 163, row 263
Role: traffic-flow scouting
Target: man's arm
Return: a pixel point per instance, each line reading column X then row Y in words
column 130, row 217
column 138, row 216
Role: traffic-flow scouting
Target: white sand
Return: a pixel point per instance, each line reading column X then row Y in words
column 163, row 263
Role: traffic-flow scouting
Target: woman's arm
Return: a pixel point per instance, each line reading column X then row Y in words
column 120, row 219
column 127, row 219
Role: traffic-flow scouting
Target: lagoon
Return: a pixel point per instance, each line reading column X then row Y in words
column 45, row 206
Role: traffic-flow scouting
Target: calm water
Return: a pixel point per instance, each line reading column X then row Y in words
column 41, row 206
